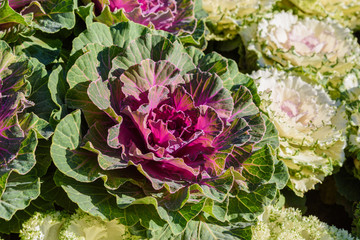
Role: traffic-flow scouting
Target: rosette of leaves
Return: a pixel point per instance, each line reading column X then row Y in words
column 174, row 16
column 225, row 17
column 345, row 12
column 311, row 126
column 312, row 45
column 49, row 16
column 20, row 130
column 160, row 140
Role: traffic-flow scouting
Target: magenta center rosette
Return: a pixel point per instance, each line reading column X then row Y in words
column 174, row 125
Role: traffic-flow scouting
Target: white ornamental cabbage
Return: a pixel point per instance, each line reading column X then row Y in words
column 225, row 16
column 289, row 224
column 311, row 126
column 285, row 38
column 344, row 11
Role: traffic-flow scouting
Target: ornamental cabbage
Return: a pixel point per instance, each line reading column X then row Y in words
column 163, row 130
column 56, row 225
column 284, row 38
column 311, row 126
column 344, row 11
column 224, row 17
column 289, row 224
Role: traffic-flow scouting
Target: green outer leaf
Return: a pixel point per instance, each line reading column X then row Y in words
column 42, row 127
column 8, row 15
column 110, row 18
column 43, row 159
column 66, row 154
column 46, row 50
column 247, row 206
column 53, row 15
column 197, row 38
column 86, row 13
column 40, row 93
column 260, row 166
column 226, row 69
column 85, row 69
column 196, row 229
column 99, row 94
column 95, row 33
column 178, row 220
column 119, row 34
column 57, row 86
column 20, row 190
column 92, row 198
column 177, row 200
column 25, row 159
column 154, row 47
column 281, row 175
column 216, row 210
column 243, row 104
column 219, row 188
column 55, row 194
column 271, row 136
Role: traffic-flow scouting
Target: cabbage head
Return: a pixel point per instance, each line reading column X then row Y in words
column 311, row 126
column 159, row 136
column 289, row 41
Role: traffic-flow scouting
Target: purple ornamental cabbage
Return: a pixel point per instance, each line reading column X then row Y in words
column 176, row 127
column 161, row 128
column 168, row 15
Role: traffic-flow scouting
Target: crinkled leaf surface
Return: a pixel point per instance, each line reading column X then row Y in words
column 53, row 15
column 67, row 154
column 40, row 93
column 20, row 190
column 46, row 50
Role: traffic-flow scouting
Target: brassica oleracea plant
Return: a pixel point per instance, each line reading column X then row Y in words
column 59, row 225
column 289, row 224
column 163, row 134
column 311, row 126
column 285, row 39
